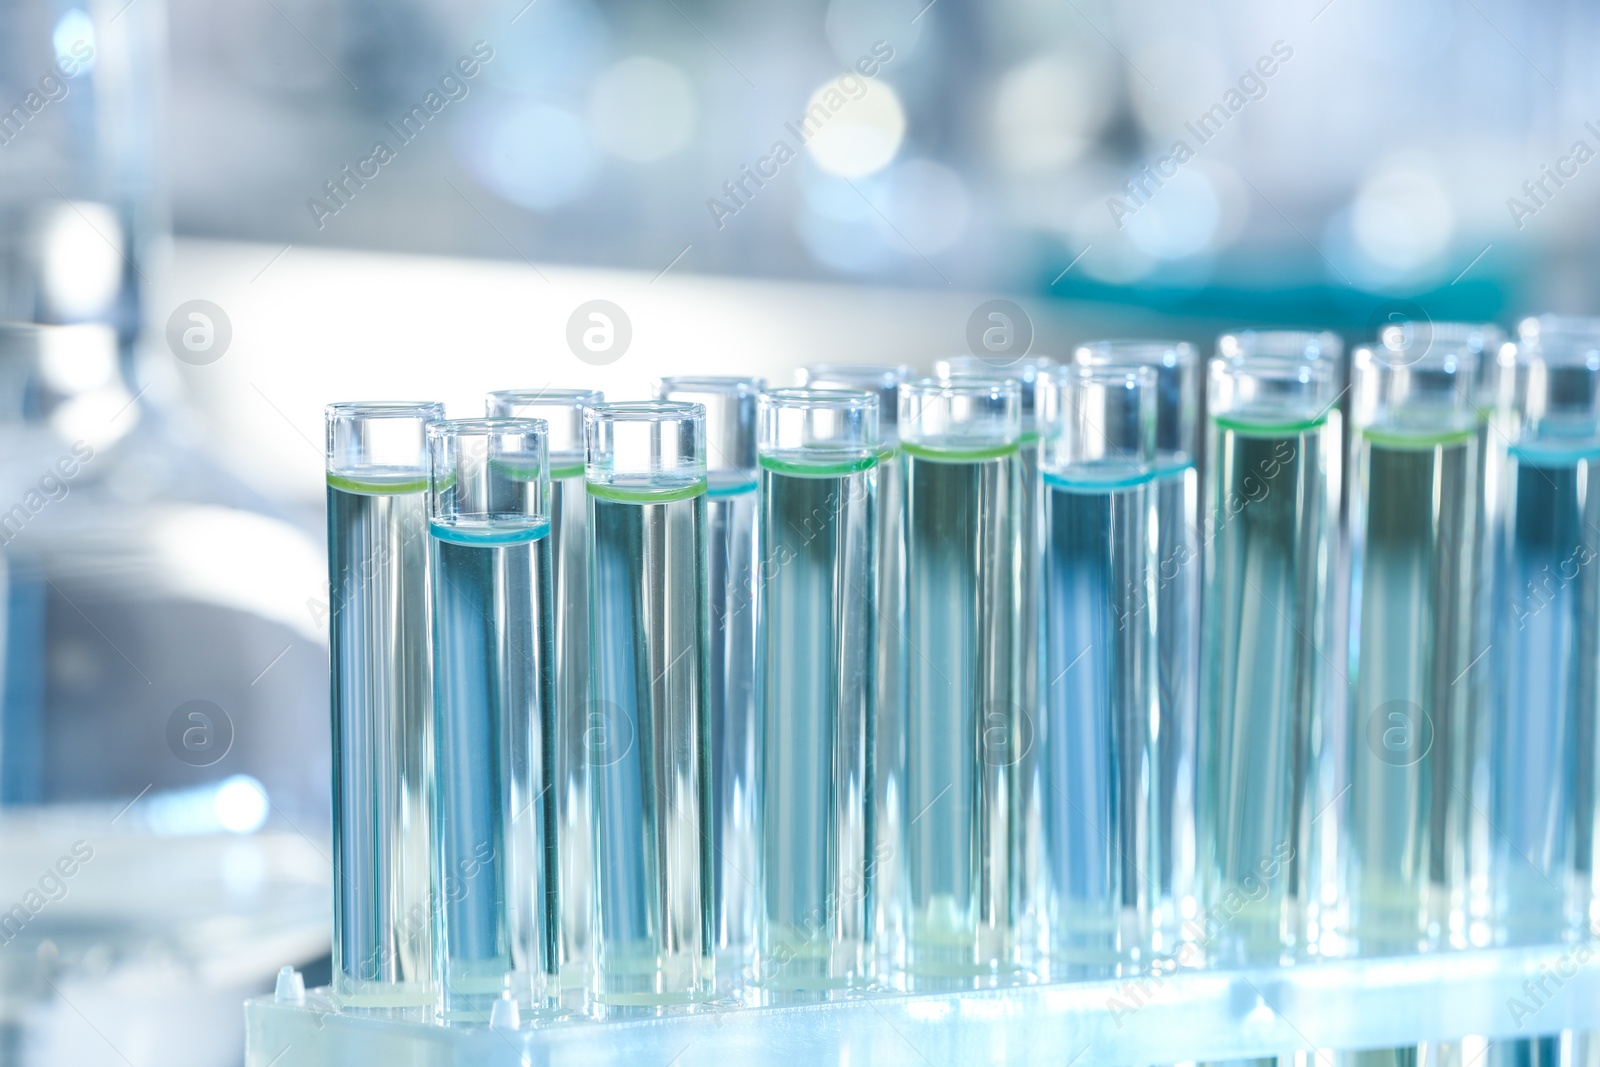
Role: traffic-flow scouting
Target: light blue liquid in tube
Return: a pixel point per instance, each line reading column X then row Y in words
column 890, row 666
column 649, row 757
column 1416, row 475
column 1098, row 735
column 1271, row 501
column 1546, row 693
column 495, row 731
column 380, row 670
column 967, row 729
column 562, row 411
column 1167, row 859
column 732, row 590
column 819, row 460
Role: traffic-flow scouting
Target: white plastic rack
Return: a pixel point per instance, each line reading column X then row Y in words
column 1193, row 1015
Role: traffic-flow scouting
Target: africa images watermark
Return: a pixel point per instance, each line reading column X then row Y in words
column 52, row 486
column 453, row 87
column 1542, row 189
column 1252, row 86
column 50, row 887
column 1541, row 991
column 1201, row 931
column 849, row 87
column 52, row 88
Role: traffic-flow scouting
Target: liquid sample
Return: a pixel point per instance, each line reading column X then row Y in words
column 1543, row 710
column 1170, row 862
column 890, row 672
column 1098, row 736
column 570, row 584
column 649, row 762
column 818, row 847
column 496, row 735
column 381, row 675
column 966, row 729
column 1265, row 604
column 731, row 509
column 1413, row 579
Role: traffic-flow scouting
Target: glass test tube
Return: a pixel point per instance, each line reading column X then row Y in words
column 819, row 459
column 1098, row 734
column 889, row 671
column 732, row 589
column 1271, row 501
column 1168, row 863
column 380, row 670
column 966, row 730
column 649, row 758
column 1546, row 648
column 562, row 411
column 1416, row 470
column 1030, row 883
column 494, row 725
column 1413, row 340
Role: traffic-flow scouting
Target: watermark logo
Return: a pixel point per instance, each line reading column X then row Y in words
column 599, row 332
column 1404, row 332
column 199, row 733
column 608, row 734
column 1008, row 733
column 1399, row 732
column 199, row 332
column 999, row 332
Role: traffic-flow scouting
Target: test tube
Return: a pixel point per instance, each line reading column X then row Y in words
column 495, row 731
column 1417, row 470
column 819, row 461
column 889, row 600
column 1411, row 341
column 1099, row 733
column 562, row 411
column 732, row 589
column 381, row 680
column 1029, row 787
column 967, row 729
column 1271, row 502
column 1168, row 865
column 649, row 760
column 1547, row 635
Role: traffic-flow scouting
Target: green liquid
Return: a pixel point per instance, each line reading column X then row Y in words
column 1267, row 513
column 1413, row 588
column 966, row 731
column 648, row 752
column 817, row 722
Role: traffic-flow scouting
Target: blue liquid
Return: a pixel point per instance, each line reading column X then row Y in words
column 1098, row 741
column 731, row 509
column 966, row 730
column 380, row 670
column 496, row 737
column 649, row 763
column 1542, row 719
column 817, row 723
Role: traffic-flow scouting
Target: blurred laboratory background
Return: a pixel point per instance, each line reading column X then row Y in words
column 216, row 217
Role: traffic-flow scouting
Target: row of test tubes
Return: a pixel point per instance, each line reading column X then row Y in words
column 884, row 683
